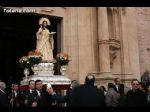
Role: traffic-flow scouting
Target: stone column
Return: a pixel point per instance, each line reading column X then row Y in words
column 133, row 66
column 72, row 42
column 125, row 48
column 103, row 40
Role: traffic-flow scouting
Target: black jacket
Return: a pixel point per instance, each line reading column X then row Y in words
column 120, row 88
column 30, row 97
column 87, row 95
column 67, row 98
column 17, row 100
column 45, row 100
column 4, row 102
column 136, row 98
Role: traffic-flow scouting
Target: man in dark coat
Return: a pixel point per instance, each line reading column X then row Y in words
column 15, row 96
column 87, row 94
column 4, row 102
column 135, row 97
column 29, row 95
column 67, row 98
column 42, row 98
column 148, row 95
column 117, row 85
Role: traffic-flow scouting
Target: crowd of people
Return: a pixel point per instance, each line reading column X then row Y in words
column 40, row 95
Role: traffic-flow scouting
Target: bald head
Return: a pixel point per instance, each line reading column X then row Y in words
column 2, row 85
column 90, row 79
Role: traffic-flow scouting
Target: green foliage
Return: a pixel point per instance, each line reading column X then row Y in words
column 62, row 61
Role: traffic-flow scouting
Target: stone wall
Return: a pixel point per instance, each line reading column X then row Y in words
column 143, row 23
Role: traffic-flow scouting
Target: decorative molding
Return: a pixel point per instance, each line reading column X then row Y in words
column 98, row 73
column 64, row 7
column 110, row 8
column 122, row 74
column 47, row 11
column 114, row 46
column 111, row 42
column 116, row 10
column 103, row 79
column 103, row 42
column 123, row 10
column 54, row 80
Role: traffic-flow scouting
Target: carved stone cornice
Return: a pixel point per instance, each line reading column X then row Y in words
column 47, row 11
column 103, row 42
column 114, row 44
column 123, row 10
column 64, row 7
column 117, row 10
column 110, row 8
column 114, row 10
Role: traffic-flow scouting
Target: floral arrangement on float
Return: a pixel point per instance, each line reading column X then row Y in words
column 62, row 59
column 24, row 62
column 33, row 57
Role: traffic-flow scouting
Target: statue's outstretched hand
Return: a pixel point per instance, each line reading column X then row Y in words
column 52, row 32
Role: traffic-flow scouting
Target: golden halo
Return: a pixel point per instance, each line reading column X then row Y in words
column 44, row 19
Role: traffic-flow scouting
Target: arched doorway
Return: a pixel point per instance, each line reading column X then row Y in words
column 17, row 38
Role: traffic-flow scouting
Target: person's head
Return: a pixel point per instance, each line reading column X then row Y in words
column 32, row 84
column 15, row 87
column 44, row 24
column 38, row 84
column 12, row 86
column 110, row 85
column 142, row 87
column 135, row 84
column 2, row 85
column 74, row 83
column 90, row 79
column 117, row 81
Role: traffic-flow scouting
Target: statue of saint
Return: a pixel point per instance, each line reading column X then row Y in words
column 45, row 42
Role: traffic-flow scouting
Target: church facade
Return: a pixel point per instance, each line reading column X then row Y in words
column 107, row 42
